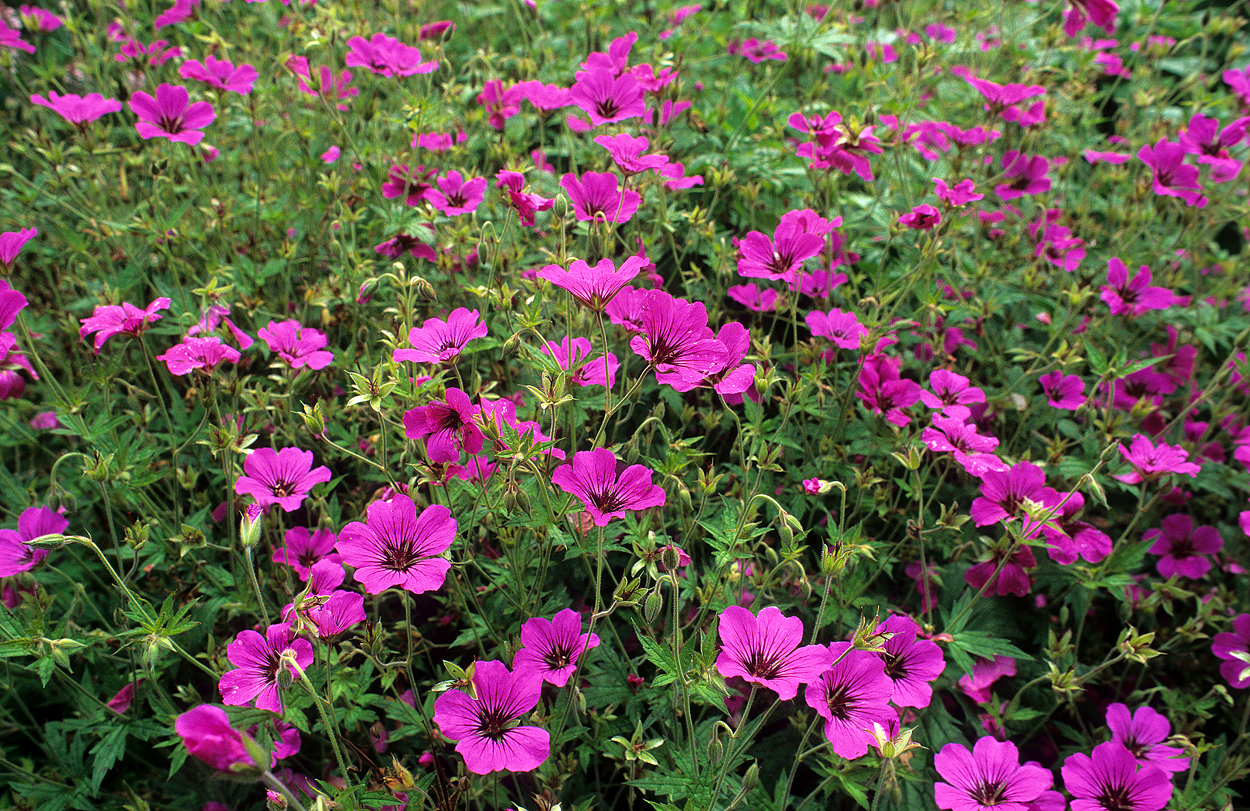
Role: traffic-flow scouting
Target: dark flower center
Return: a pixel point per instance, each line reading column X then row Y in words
column 557, row 658
column 840, row 704
column 1117, row 798
column 765, row 667
column 171, row 125
column 607, row 500
column 895, row 666
column 607, row 108
column 398, row 555
column 492, row 723
column 987, row 793
column 282, row 489
column 307, row 558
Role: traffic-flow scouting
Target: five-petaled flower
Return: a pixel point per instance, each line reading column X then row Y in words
column 484, row 724
column 439, row 341
column 170, row 116
column 768, row 650
column 592, row 477
column 551, row 648
column 125, row 318
column 989, row 778
column 260, row 661
column 1183, row 546
column 78, row 110
column 298, row 346
column 280, row 477
column 198, row 353
column 16, row 555
column 396, row 546
column 1111, row 780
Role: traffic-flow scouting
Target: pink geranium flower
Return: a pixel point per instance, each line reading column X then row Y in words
column 1150, row 462
column 598, row 196
column 910, row 663
column 552, row 647
column 972, row 451
column 38, row 19
column 280, row 477
column 298, row 346
column 574, row 355
column 198, row 353
column 1001, row 578
column 11, row 244
column 12, row 38
column 1111, row 780
column 302, row 550
column 78, row 110
column 767, row 649
column 449, row 425
column 323, row 82
column 1071, row 537
column 1183, row 546
column 207, row 735
column 1003, row 494
column 1063, row 391
column 526, row 204
column 592, row 477
column 258, row 660
column 126, row 319
column 852, row 696
column 1171, row 175
column 1100, row 12
column 439, row 341
column 989, row 778
column 220, row 73
column 799, row 236
column 922, row 217
column 1136, row 297
column 607, row 98
column 386, row 56
column 756, row 51
column 455, row 195
column 16, row 555
column 594, row 287
column 676, row 340
column 170, row 116
column 484, row 722
column 181, row 12
column 397, row 547
column 1142, row 733
column 1234, row 648
column 546, row 98
column 754, row 298
column 626, row 152
column 1023, row 175
column 984, row 673
column 501, row 103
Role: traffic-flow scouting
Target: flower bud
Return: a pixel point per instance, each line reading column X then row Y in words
column 250, row 526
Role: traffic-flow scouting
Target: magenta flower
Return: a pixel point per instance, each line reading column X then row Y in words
column 754, row 298
column 952, row 392
column 298, row 346
column 1112, row 781
column 1012, row 578
column 16, row 555
column 198, row 353
column 910, row 663
column 302, row 550
column 757, row 51
column 11, row 244
column 1100, row 12
column 971, row 450
column 1063, row 391
column 12, row 38
column 280, row 477
column 386, row 56
column 799, row 236
column 340, row 611
column 594, row 286
column 258, row 661
column 526, row 204
column 170, row 116
column 766, row 650
column 439, row 341
column 38, row 19
column 1234, row 648
column 449, row 425
column 328, row 85
column 1003, row 494
column 411, row 184
column 127, row 319
column 220, row 73
column 485, row 724
column 207, row 735
column 593, row 478
column 502, row 104
column 1136, row 297
column 626, row 152
column 1070, row 537
column 455, row 195
column 599, row 196
column 1142, row 734
column 397, row 547
column 730, row 376
column 676, row 340
column 1003, row 100
column 78, row 110
column 503, row 412
column 1023, row 175
column 1183, row 546
column 606, row 97
column 989, row 778
column 1172, row 176
column 181, row 12
column 551, row 648
column 984, row 673
column 1150, row 462
column 963, row 193
column 546, row 98
column 851, row 696
column 883, row 391
column 574, row 355
column 922, row 217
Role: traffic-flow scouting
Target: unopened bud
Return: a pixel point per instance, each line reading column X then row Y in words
column 653, row 605
column 250, row 526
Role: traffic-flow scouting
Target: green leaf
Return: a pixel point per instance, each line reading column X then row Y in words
column 987, row 646
column 110, row 749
